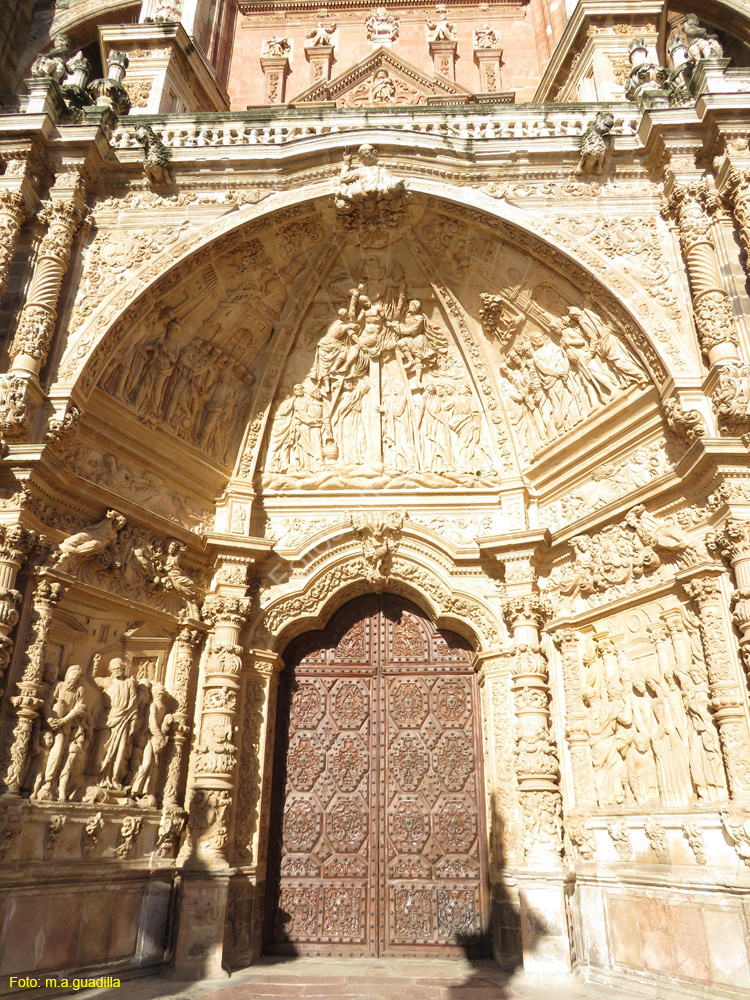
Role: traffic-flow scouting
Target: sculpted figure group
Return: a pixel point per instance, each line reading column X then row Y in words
column 99, row 737
column 378, row 385
column 554, row 380
column 197, row 390
column 652, row 738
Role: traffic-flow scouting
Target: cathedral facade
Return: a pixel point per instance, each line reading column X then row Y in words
column 375, row 490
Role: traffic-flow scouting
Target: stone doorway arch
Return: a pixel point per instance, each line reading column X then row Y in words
column 377, row 843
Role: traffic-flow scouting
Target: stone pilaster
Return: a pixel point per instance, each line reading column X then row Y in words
column 15, row 544
column 488, row 61
column 13, row 213
column 443, row 52
column 576, row 718
column 690, row 203
column 253, row 797
column 734, row 543
column 727, row 696
column 28, row 699
column 275, row 70
column 319, row 57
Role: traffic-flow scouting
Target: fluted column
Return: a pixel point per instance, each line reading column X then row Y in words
column 690, row 203
column 727, row 696
column 36, row 325
column 28, row 699
column 13, row 213
column 187, row 643
column 536, row 762
column 15, row 544
column 576, row 718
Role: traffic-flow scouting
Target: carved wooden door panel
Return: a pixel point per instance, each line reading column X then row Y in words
column 379, row 845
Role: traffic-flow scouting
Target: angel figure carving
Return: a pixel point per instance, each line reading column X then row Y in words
column 320, row 35
column 91, row 541
column 177, row 579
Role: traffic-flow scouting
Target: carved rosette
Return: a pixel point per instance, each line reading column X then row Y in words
column 13, row 213
column 536, row 761
column 727, row 699
column 27, row 701
column 576, row 728
column 691, row 204
column 187, row 643
column 15, row 544
column 37, row 322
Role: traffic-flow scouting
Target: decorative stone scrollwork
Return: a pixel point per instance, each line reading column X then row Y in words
column 620, row 835
column 731, row 399
column 686, row 424
column 737, row 825
column 696, row 841
column 51, row 835
column 156, row 156
column 382, row 26
column 379, row 538
column 90, row 834
column 15, row 545
column 657, row 838
column 15, row 409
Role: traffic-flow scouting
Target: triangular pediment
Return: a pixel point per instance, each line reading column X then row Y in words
column 383, row 79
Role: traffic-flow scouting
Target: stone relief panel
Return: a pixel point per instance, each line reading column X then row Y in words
column 196, row 388
column 561, row 358
column 606, row 484
column 647, row 710
column 375, row 392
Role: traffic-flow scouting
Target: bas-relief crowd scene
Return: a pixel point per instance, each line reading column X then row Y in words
column 385, row 392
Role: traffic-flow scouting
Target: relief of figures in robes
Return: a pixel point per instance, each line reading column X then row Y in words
column 559, row 370
column 651, row 732
column 100, row 736
column 379, row 399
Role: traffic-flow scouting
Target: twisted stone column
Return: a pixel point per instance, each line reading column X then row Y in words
column 536, row 762
column 187, row 642
column 576, row 718
column 690, row 204
column 13, row 213
column 28, row 701
column 15, row 544
column 727, row 697
column 37, row 322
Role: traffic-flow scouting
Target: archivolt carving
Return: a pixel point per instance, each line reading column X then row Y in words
column 305, row 607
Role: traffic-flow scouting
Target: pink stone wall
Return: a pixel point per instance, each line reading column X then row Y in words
column 527, row 32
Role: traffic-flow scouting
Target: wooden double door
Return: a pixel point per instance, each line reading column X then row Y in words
column 378, row 840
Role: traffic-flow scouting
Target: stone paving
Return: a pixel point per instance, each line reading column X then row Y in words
column 358, row 979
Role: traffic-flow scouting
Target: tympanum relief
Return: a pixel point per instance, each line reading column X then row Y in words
column 376, row 392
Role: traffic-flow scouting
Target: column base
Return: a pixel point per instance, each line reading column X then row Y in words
column 545, row 933
column 201, row 919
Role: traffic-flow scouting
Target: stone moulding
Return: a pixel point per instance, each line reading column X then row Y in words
column 87, row 354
